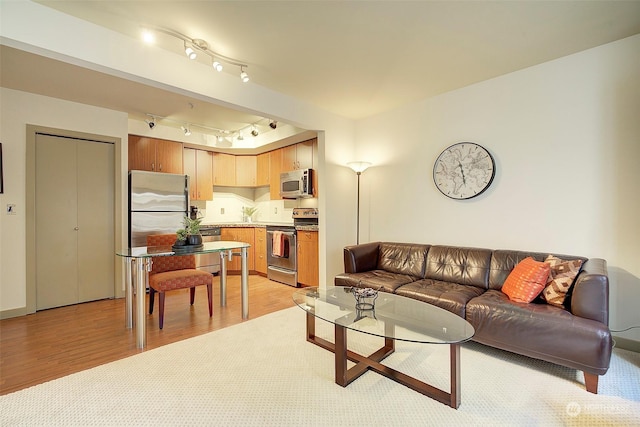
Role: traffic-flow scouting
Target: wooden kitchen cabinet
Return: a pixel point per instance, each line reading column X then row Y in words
column 298, row 156
column 263, row 169
column 275, row 168
column 198, row 164
column 308, row 271
column 240, row 234
column 261, row 250
column 224, row 169
column 155, row 155
column 246, row 169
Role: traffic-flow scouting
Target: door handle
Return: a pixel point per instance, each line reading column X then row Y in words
column 76, row 228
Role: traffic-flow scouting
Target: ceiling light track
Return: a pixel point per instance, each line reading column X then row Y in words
column 193, row 46
column 220, row 134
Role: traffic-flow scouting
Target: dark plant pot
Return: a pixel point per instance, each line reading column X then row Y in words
column 180, row 243
column 194, row 239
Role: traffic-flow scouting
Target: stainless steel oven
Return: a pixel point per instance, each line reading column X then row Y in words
column 209, row 262
column 282, row 263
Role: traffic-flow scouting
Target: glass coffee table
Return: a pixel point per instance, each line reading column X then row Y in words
column 392, row 317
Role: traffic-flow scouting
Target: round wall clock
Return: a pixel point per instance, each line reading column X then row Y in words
column 464, row 170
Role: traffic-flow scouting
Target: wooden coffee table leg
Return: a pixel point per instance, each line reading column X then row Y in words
column 455, row 376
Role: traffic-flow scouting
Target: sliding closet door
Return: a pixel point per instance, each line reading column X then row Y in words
column 74, row 221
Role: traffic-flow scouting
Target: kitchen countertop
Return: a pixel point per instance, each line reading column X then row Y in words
column 239, row 224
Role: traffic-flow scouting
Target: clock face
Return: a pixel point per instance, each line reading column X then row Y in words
column 463, row 170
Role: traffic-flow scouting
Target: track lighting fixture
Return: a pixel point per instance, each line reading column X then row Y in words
column 240, row 137
column 273, row 124
column 254, row 131
column 243, row 75
column 151, row 122
column 186, row 130
column 194, row 46
column 188, row 50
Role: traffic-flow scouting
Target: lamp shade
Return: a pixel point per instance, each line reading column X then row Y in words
column 359, row 167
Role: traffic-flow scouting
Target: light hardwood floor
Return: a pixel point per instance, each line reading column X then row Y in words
column 53, row 343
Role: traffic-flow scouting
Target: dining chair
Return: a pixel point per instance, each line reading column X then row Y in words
column 175, row 272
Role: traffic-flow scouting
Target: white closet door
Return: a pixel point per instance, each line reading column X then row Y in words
column 96, row 247
column 74, row 221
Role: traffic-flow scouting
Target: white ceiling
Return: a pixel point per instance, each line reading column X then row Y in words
column 354, row 58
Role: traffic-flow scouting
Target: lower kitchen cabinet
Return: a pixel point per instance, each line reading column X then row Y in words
column 308, row 271
column 240, row 234
column 261, row 250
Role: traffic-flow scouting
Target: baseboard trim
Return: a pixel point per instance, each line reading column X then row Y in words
column 16, row 312
column 627, row 344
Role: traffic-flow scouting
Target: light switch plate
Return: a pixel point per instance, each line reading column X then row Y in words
column 11, row 209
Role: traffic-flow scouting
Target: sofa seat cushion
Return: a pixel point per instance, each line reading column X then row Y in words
column 376, row 279
column 450, row 296
column 540, row 331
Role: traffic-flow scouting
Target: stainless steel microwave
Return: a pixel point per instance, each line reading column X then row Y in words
column 296, row 184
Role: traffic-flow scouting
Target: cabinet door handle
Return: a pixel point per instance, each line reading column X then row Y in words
column 153, row 166
column 160, row 167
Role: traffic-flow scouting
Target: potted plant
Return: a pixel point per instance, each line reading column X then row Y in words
column 192, row 228
column 247, row 213
column 182, row 237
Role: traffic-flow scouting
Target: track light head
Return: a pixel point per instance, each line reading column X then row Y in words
column 188, row 50
column 254, row 131
column 240, row 137
column 273, row 124
column 151, row 122
column 217, row 65
column 243, row 75
column 186, row 130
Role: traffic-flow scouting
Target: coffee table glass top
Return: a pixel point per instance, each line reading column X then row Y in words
column 393, row 316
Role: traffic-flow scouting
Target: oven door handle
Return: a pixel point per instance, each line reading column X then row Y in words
column 286, row 233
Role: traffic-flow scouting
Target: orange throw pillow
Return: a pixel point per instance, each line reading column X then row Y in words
column 526, row 280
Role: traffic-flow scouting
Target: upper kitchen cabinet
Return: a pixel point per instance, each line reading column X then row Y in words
column 298, row 156
column 263, row 169
column 224, row 169
column 275, row 168
column 246, row 168
column 198, row 164
column 156, row 155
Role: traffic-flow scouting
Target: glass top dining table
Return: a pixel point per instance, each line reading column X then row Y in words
column 138, row 260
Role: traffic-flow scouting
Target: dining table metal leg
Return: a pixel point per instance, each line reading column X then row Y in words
column 143, row 266
column 223, row 278
column 244, row 284
column 128, row 292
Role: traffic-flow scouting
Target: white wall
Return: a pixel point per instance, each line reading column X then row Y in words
column 36, row 28
column 19, row 109
column 566, row 139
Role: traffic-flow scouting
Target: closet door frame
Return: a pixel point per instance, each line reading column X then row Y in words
column 120, row 205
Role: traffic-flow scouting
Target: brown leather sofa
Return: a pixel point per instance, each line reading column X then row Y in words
column 467, row 282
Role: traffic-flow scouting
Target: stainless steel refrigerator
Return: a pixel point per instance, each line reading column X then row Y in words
column 158, row 202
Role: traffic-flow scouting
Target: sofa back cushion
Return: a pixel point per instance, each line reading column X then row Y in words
column 403, row 258
column 465, row 266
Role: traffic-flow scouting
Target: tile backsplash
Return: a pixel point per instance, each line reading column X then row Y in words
column 227, row 204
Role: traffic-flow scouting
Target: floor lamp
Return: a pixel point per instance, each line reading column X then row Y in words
column 358, row 168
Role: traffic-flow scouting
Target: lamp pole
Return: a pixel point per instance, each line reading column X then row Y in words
column 358, row 168
column 358, row 211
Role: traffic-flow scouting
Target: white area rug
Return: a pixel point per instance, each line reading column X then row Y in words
column 264, row 373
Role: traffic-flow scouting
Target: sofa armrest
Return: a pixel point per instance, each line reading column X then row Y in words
column 590, row 296
column 360, row 258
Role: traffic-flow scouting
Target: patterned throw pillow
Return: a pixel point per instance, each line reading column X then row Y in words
column 561, row 276
column 526, row 280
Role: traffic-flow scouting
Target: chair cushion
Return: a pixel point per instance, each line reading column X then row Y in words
column 179, row 279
